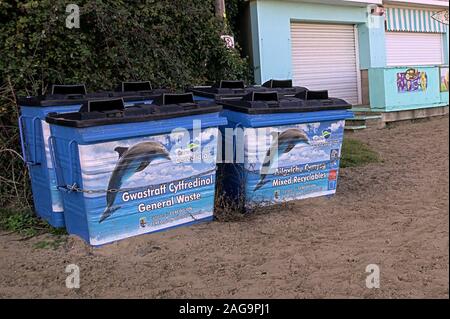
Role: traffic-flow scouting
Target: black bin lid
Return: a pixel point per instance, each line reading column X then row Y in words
column 113, row 111
column 63, row 95
column 137, row 91
column 272, row 102
column 284, row 87
column 226, row 89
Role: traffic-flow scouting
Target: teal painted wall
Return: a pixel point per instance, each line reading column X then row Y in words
column 376, row 88
column 444, row 95
column 274, row 18
column 372, row 43
column 384, row 92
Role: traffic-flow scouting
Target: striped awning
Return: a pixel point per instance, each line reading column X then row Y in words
column 412, row 20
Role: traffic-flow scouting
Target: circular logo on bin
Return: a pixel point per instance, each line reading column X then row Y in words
column 326, row 133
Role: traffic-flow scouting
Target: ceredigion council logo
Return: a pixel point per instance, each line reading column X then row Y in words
column 326, row 133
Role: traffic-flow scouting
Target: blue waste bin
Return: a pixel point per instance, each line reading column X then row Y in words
column 226, row 90
column 125, row 172
column 34, row 132
column 282, row 149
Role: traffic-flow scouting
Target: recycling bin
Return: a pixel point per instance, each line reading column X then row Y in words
column 231, row 90
column 141, row 169
column 277, row 150
column 34, row 133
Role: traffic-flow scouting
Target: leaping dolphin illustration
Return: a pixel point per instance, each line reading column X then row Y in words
column 281, row 144
column 131, row 160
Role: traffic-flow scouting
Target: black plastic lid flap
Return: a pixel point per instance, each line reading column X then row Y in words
column 317, row 95
column 261, row 96
column 103, row 105
column 69, row 89
column 172, row 98
column 302, row 94
column 136, row 86
column 226, row 84
column 279, row 84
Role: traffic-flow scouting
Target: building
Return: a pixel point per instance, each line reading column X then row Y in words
column 391, row 62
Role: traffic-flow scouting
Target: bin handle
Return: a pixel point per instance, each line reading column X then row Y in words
column 72, row 179
column 59, row 178
column 31, row 161
column 62, row 185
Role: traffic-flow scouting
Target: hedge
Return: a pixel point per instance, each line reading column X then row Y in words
column 171, row 43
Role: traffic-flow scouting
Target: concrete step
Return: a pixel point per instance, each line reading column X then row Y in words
column 364, row 119
column 355, row 122
column 360, row 117
column 354, row 127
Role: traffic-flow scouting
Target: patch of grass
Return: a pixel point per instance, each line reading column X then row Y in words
column 26, row 223
column 356, row 153
column 49, row 244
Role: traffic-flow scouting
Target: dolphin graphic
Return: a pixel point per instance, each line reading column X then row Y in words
column 282, row 143
column 131, row 160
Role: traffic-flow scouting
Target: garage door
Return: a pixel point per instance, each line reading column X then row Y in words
column 413, row 48
column 324, row 57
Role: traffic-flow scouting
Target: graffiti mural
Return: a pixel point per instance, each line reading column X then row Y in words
column 412, row 80
column 444, row 79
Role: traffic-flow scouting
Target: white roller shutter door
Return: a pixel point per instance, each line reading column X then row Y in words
column 324, row 58
column 413, row 48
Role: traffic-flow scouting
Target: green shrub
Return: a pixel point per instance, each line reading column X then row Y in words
column 172, row 43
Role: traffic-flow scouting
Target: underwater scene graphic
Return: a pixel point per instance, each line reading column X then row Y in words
column 146, row 184
column 292, row 162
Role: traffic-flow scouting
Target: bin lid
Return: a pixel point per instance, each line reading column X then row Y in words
column 225, row 89
column 237, row 89
column 64, row 95
column 284, row 87
column 272, row 102
column 113, row 111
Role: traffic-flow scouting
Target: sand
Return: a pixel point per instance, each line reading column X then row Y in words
column 394, row 214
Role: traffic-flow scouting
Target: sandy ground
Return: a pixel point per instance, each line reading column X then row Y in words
column 394, row 214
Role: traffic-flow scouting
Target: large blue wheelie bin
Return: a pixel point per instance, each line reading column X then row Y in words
column 130, row 171
column 276, row 150
column 35, row 132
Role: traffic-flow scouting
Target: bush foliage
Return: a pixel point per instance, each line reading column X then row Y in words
column 171, row 43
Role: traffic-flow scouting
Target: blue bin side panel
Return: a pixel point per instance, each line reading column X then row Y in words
column 154, row 193
column 46, row 197
column 304, row 163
